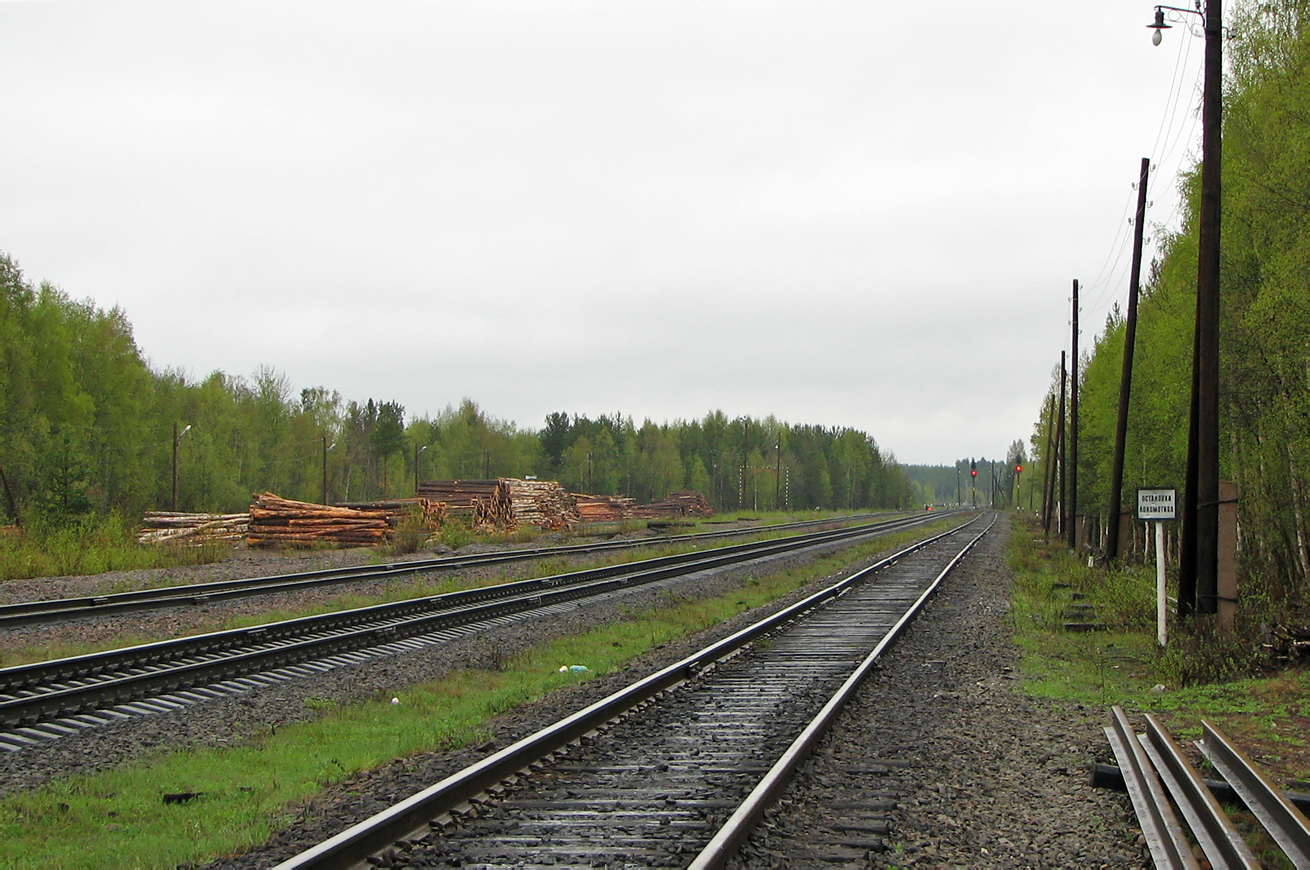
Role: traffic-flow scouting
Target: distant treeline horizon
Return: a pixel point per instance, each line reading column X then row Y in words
column 87, row 428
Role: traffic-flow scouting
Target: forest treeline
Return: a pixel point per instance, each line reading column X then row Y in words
column 1265, row 325
column 87, row 427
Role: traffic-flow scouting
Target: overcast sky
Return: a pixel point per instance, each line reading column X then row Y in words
column 856, row 214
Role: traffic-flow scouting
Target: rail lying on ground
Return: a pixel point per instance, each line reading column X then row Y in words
column 64, row 693
column 1160, row 779
column 670, row 765
column 54, row 610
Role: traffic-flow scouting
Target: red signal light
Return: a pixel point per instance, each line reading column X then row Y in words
column 1018, row 468
column 974, row 473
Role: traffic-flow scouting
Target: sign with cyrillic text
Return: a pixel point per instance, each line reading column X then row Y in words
column 1157, row 504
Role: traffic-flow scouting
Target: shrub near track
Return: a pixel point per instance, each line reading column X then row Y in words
column 117, row 818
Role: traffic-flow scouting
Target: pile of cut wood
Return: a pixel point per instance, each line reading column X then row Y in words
column 193, row 529
column 603, row 508
column 432, row 513
column 458, row 495
column 280, row 521
column 543, row 504
column 686, row 503
column 506, row 503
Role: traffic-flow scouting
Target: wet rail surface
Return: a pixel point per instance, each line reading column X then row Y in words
column 653, row 786
column 48, row 700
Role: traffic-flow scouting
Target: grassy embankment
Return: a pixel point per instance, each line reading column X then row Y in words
column 1219, row 679
column 92, row 546
column 118, row 818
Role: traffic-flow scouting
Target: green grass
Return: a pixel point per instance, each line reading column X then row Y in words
column 91, row 546
column 118, row 818
column 1204, row 674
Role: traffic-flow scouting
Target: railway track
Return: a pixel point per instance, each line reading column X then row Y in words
column 47, row 700
column 201, row 594
column 676, row 769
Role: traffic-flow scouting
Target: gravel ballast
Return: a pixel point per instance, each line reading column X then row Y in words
column 978, row 774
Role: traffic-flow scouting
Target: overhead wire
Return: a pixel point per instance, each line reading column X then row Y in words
column 1164, row 163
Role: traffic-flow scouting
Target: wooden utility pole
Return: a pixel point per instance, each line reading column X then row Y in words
column 1126, row 377
column 745, row 457
column 1048, row 463
column 1199, row 563
column 1072, row 530
column 1060, row 438
column 777, row 477
column 9, row 497
column 175, row 439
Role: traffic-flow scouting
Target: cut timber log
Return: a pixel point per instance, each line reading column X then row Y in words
column 279, row 521
column 192, row 529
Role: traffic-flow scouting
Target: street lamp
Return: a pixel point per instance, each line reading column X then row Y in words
column 417, row 451
column 1198, row 568
column 177, row 436
column 326, row 448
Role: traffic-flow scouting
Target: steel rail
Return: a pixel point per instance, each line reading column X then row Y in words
column 411, row 818
column 199, row 594
column 1210, row 825
column 1165, row 837
column 40, row 691
column 1284, row 823
column 744, row 820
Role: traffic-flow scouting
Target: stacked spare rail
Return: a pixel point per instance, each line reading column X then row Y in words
column 46, row 700
column 648, row 775
column 1176, row 808
column 199, row 594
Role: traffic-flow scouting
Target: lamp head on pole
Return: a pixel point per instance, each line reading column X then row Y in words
column 1158, row 26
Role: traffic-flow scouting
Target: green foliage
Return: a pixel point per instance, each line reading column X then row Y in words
column 56, row 546
column 734, row 463
column 86, row 427
column 1265, row 287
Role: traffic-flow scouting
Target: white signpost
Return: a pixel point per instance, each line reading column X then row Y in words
column 1158, row 505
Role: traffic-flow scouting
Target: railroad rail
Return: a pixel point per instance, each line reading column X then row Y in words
column 676, row 767
column 46, row 700
column 1163, row 785
column 201, row 594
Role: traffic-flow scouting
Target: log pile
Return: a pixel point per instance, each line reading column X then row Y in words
column 433, row 513
column 603, row 508
column 459, row 496
column 193, row 529
column 279, row 521
column 504, row 504
column 543, row 504
column 685, row 503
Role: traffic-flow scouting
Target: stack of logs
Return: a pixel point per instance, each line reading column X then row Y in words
column 458, row 495
column 686, row 503
column 603, row 508
column 432, row 513
column 191, row 529
column 543, row 504
column 506, row 503
column 280, row 521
